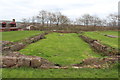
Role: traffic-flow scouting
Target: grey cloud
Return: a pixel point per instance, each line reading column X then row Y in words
column 72, row 8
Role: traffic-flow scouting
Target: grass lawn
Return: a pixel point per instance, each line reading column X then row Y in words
column 114, row 33
column 60, row 73
column 59, row 48
column 112, row 42
column 15, row 36
column 63, row 49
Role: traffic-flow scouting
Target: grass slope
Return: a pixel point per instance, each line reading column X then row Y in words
column 60, row 48
column 15, row 36
column 112, row 42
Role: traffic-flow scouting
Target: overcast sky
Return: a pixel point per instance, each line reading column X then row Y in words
column 19, row 9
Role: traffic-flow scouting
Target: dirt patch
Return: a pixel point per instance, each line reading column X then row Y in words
column 97, row 62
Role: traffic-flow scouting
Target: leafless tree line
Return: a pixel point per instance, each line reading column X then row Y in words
column 87, row 19
column 50, row 19
column 46, row 18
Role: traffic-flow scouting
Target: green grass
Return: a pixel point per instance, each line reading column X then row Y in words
column 65, row 50
column 60, row 73
column 112, row 42
column 114, row 33
column 0, row 36
column 15, row 36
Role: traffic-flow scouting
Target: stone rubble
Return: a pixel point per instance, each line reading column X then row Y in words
column 97, row 62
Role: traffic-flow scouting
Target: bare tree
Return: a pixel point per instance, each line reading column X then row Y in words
column 61, row 19
column 79, row 21
column 112, row 20
column 42, row 16
column 64, row 20
column 96, row 21
column 52, row 18
column 57, row 18
column 85, row 19
column 33, row 20
column 26, row 22
column 103, row 22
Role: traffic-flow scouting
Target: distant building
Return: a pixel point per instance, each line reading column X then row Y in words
column 8, row 26
column 3, row 24
column 13, row 23
column 31, row 27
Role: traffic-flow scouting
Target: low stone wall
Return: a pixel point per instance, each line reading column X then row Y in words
column 16, row 46
column 97, row 62
column 109, row 51
column 17, row 60
column 87, row 39
column 64, row 31
column 34, row 39
column 25, row 61
column 6, row 43
column 111, row 36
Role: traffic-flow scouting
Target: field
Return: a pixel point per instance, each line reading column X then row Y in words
column 112, row 42
column 15, row 36
column 64, row 49
column 114, row 33
column 60, row 73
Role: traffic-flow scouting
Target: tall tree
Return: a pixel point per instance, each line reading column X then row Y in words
column 42, row 16
column 112, row 20
column 61, row 19
column 52, row 18
column 96, row 21
column 33, row 20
